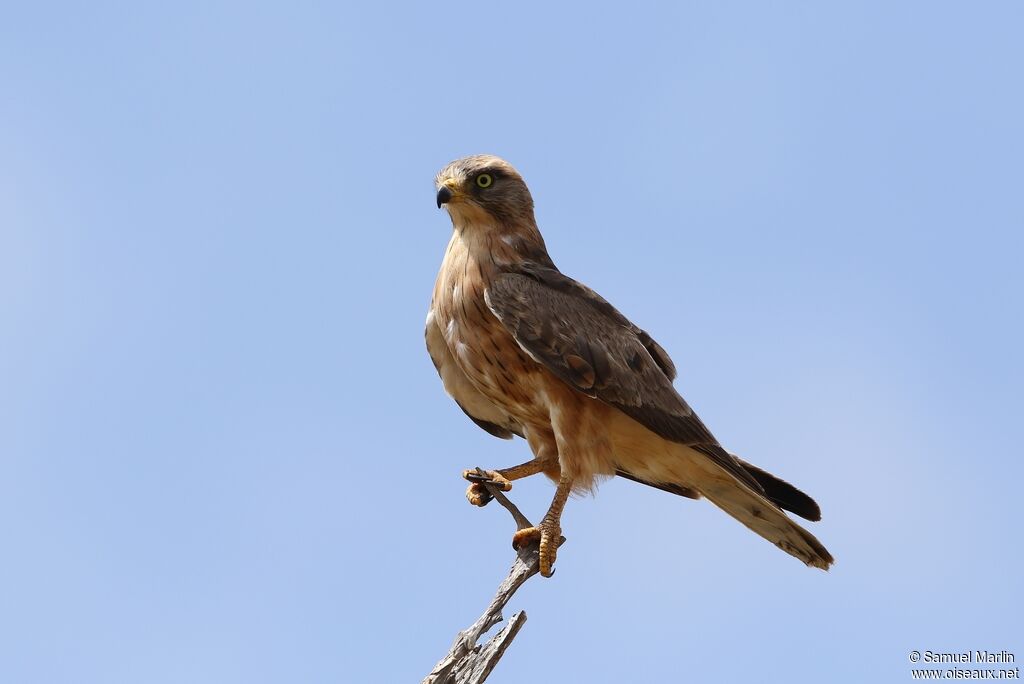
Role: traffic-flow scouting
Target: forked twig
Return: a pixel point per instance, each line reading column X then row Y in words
column 467, row 662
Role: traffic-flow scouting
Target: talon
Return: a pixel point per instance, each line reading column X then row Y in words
column 550, row 536
column 478, row 495
column 490, row 476
column 525, row 537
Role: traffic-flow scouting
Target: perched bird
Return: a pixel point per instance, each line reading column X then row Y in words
column 526, row 350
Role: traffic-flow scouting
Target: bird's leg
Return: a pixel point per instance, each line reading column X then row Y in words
column 550, row 529
column 477, row 494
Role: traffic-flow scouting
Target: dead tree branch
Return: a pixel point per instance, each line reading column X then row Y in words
column 467, row 662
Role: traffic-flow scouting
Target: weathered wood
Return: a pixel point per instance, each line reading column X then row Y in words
column 466, row 661
column 491, row 653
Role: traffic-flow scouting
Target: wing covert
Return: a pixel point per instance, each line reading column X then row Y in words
column 587, row 343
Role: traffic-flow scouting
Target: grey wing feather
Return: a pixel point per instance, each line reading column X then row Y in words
column 587, row 343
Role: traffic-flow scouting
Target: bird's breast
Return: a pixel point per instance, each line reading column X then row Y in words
column 480, row 345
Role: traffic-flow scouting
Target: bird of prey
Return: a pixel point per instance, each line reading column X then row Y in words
column 525, row 350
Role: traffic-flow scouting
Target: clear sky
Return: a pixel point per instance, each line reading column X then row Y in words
column 226, row 457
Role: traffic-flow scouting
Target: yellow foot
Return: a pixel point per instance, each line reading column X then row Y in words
column 476, row 493
column 550, row 536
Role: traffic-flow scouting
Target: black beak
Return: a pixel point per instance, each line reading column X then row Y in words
column 443, row 195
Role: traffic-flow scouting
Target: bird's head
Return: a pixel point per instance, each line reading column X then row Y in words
column 484, row 190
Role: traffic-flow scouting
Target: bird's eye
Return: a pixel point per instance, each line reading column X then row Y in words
column 484, row 180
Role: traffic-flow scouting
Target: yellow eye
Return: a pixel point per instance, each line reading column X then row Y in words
column 484, row 180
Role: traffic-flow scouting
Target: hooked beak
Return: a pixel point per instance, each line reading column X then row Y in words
column 446, row 192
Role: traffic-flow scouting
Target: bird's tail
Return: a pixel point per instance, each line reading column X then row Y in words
column 765, row 518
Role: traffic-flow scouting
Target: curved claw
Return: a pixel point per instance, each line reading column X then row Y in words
column 479, row 476
column 550, row 538
column 477, row 493
column 525, row 537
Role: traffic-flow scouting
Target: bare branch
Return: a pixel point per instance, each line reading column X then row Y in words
column 522, row 522
column 492, row 651
column 466, row 661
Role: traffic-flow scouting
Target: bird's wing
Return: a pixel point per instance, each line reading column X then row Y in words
column 587, row 343
column 473, row 403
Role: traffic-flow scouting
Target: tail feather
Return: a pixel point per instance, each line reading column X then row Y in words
column 766, row 519
column 783, row 494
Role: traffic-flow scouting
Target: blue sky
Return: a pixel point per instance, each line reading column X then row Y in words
column 226, row 457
